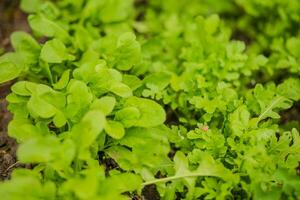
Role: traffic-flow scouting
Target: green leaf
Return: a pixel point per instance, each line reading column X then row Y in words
column 292, row 44
column 47, row 149
column 128, row 115
column 45, row 27
column 151, row 113
column 78, row 100
column 86, row 132
column 121, row 90
column 212, row 23
column 207, row 167
column 115, row 10
column 40, row 108
column 278, row 102
column 94, row 120
column 44, row 102
column 21, row 89
column 54, row 51
column 102, row 79
column 141, row 142
column 30, row 6
column 106, row 104
column 63, row 81
column 82, row 38
column 239, row 120
column 9, row 71
column 269, row 101
column 59, row 119
column 26, row 184
column 132, row 81
column 159, row 80
column 120, row 183
column 290, row 181
column 90, row 67
column 22, row 60
column 22, row 41
column 40, row 149
column 290, row 88
column 22, row 130
column 128, row 52
column 114, row 129
column 85, row 185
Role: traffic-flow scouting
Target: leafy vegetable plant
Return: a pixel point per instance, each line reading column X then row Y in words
column 125, row 96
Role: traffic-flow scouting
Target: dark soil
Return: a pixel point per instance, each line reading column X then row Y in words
column 11, row 19
column 7, row 145
column 150, row 192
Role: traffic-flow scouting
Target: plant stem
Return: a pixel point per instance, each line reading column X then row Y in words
column 173, row 178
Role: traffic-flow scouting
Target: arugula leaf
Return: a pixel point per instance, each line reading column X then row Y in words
column 147, row 114
column 22, row 41
column 47, row 150
column 128, row 52
column 79, row 97
column 116, row 10
column 87, row 130
column 121, row 90
column 54, row 51
column 45, row 27
column 8, row 71
column 114, row 129
column 30, row 6
column 87, row 185
column 63, row 81
column 22, row 129
column 106, row 104
column 29, row 186
column 138, row 139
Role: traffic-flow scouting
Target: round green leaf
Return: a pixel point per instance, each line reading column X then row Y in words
column 114, row 129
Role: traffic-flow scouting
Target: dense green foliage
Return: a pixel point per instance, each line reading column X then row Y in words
column 187, row 95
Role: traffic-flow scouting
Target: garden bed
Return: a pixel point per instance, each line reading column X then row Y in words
column 149, row 99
